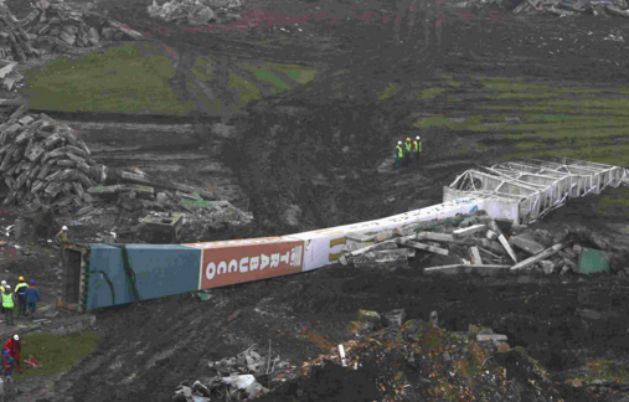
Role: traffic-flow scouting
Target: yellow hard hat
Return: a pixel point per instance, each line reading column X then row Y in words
column 20, row 278
column 408, row 138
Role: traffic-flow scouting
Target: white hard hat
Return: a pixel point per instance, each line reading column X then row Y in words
column 418, row 138
column 64, row 227
column 3, row 282
column 16, row 337
column 399, row 142
column 7, row 286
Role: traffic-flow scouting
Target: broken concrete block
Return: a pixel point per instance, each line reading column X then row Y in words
column 491, row 338
column 105, row 190
column 468, row 231
column 475, row 256
column 384, row 235
column 547, row 266
column 426, row 247
column 434, row 236
column 539, row 257
column 525, row 243
column 395, row 317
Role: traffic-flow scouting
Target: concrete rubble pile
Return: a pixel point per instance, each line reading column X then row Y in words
column 236, row 378
column 564, row 8
column 44, row 165
column 476, row 244
column 560, row 8
column 52, row 25
column 413, row 359
column 196, row 12
column 170, row 211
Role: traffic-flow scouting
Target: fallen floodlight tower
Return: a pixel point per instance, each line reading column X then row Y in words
column 524, row 191
column 102, row 275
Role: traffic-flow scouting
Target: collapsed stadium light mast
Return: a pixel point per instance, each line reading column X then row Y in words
column 102, row 275
column 524, row 191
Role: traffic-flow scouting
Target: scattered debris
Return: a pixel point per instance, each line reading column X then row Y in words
column 477, row 244
column 421, row 361
column 538, row 257
column 236, row 378
column 196, row 12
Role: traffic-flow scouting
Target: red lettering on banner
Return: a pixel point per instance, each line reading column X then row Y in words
column 242, row 262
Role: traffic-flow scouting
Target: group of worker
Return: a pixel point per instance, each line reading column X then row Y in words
column 407, row 152
column 25, row 294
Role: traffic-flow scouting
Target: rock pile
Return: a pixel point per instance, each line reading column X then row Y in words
column 44, row 164
column 55, row 25
column 196, row 12
column 476, row 243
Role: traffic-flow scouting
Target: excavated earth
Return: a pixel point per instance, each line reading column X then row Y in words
column 322, row 151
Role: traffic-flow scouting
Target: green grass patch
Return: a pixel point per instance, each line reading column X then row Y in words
column 453, row 123
column 202, row 69
column 122, row 79
column 613, row 202
column 56, row 353
column 267, row 76
column 607, row 370
column 430, row 93
column 300, row 74
column 247, row 90
column 388, row 92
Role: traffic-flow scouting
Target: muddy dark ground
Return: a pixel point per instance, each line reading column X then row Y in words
column 319, row 148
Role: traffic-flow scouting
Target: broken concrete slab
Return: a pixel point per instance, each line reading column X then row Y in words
column 539, row 257
column 464, row 268
column 548, row 267
column 503, row 241
column 491, row 338
column 468, row 231
column 394, row 317
column 436, row 236
column 426, row 247
column 475, row 257
column 525, row 243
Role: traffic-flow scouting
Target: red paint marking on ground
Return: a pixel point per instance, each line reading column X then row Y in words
column 254, row 18
column 466, row 15
column 440, row 22
column 495, row 16
column 365, row 16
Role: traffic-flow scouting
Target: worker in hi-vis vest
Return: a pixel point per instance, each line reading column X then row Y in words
column 417, row 148
column 399, row 155
column 408, row 150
